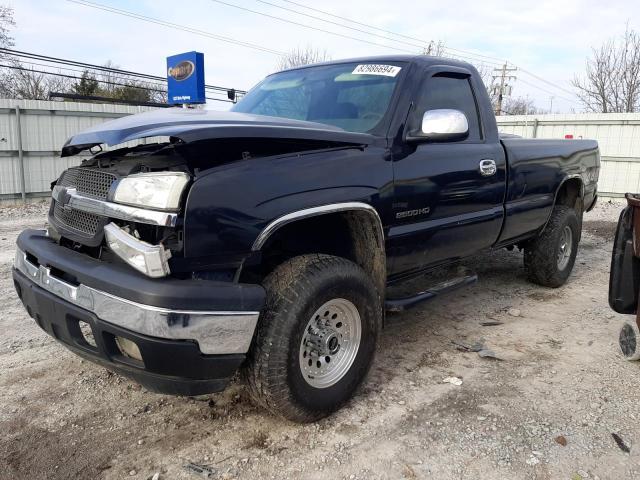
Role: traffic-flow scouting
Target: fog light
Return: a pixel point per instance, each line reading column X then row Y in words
column 128, row 348
column 152, row 260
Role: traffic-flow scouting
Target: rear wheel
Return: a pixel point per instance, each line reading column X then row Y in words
column 316, row 337
column 549, row 258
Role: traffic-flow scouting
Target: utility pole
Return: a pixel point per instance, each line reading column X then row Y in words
column 503, row 89
column 551, row 103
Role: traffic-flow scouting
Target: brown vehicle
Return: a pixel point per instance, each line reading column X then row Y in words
column 624, row 280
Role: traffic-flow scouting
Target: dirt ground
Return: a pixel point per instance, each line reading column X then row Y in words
column 546, row 411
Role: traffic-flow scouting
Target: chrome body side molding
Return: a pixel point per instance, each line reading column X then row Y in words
column 314, row 212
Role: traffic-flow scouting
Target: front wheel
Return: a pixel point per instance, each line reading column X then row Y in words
column 316, row 337
column 549, row 258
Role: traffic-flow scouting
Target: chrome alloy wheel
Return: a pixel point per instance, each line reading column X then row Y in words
column 330, row 343
column 566, row 247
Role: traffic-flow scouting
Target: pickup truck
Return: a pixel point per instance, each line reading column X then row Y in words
column 265, row 239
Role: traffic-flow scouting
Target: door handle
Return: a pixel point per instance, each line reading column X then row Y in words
column 488, row 167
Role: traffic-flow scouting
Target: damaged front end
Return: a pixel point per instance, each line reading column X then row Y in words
column 123, row 206
column 114, row 266
column 129, row 204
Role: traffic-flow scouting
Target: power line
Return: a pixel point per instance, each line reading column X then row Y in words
column 15, row 67
column 242, row 43
column 464, row 54
column 341, row 25
column 547, row 82
column 100, row 68
column 274, row 17
column 548, row 91
column 107, row 82
column 423, row 43
column 175, row 26
column 352, row 21
column 148, row 82
column 324, row 12
column 68, row 69
column 62, row 61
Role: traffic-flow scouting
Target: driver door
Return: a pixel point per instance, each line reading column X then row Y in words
column 445, row 206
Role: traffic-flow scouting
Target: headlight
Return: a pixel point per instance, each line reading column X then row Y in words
column 152, row 260
column 159, row 190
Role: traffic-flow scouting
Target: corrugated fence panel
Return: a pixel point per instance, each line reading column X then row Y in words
column 618, row 135
column 44, row 127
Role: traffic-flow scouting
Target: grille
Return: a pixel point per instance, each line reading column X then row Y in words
column 82, row 222
column 89, row 182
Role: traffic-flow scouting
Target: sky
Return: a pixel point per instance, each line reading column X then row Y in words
column 548, row 40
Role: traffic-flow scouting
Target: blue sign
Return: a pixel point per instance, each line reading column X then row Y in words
column 185, row 78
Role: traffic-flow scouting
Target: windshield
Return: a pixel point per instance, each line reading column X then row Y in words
column 352, row 96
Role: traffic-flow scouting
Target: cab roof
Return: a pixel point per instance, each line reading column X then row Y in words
column 425, row 60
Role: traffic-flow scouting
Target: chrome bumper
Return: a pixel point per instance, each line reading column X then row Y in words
column 215, row 332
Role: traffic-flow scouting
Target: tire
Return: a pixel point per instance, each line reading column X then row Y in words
column 629, row 341
column 546, row 261
column 296, row 290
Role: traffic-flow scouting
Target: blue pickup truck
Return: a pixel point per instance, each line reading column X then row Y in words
column 265, row 239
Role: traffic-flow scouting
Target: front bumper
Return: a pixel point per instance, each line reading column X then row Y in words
column 192, row 334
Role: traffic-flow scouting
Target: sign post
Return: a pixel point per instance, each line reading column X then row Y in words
column 185, row 79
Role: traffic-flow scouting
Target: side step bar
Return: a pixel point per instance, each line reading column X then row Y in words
column 405, row 303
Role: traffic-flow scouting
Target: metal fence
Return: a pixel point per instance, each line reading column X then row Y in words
column 618, row 135
column 32, row 133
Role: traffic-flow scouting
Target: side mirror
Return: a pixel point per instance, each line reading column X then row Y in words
column 442, row 125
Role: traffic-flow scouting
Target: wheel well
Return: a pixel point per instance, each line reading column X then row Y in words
column 353, row 234
column 570, row 194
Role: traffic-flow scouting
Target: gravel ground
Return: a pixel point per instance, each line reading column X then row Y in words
column 547, row 410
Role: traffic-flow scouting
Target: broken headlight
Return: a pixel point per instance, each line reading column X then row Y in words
column 157, row 190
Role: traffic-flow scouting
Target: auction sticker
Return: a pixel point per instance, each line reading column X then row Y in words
column 374, row 69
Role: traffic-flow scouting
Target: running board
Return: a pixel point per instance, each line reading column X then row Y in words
column 405, row 303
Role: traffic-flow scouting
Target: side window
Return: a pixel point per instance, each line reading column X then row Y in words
column 450, row 92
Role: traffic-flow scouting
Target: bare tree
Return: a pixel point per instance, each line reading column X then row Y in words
column 520, row 106
column 435, row 49
column 612, row 79
column 486, row 75
column 6, row 22
column 25, row 83
column 17, row 81
column 302, row 56
column 120, row 86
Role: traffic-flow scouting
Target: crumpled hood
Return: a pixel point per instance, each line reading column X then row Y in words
column 191, row 125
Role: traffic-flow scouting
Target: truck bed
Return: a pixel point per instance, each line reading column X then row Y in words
column 537, row 167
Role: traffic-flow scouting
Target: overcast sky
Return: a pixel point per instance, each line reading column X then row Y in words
column 549, row 38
